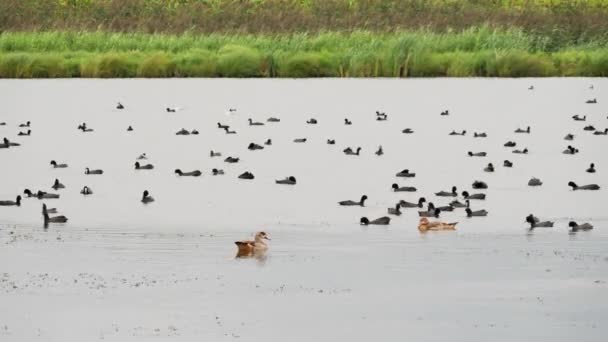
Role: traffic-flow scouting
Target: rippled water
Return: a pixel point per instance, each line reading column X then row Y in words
column 121, row 270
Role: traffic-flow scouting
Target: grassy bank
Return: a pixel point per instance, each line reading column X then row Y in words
column 423, row 53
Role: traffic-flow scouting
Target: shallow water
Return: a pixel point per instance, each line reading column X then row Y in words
column 121, row 270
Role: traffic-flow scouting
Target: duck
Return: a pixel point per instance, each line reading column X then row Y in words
column 479, row 185
column 583, row 187
column 524, row 151
column 452, row 193
column 534, row 222
column 273, row 119
column 86, row 191
column 347, row 122
column 480, row 135
column 489, row 168
column 58, row 166
column 311, row 121
column 589, row 128
column 535, row 182
column 519, row 130
column 395, row 211
column 507, row 163
column 215, row 154
column 57, row 185
column 217, row 172
column 228, row 131
column 468, row 196
column 27, row 124
column 381, row 221
column 2, row 123
column 182, row 131
column 16, row 202
column 120, row 106
column 397, row 188
column 231, row 160
column 254, row 146
column 142, row 156
column 138, row 166
column 246, row 175
column 569, row 137
column 592, row 101
column 331, row 141
column 570, row 150
column 130, row 129
column 194, row 132
column 291, row 180
column 425, row 225
column 170, row 110
column 381, row 116
column 360, row 203
column 458, row 204
column 257, row 247
column 28, row 133
column 220, row 126
column 407, row 131
column 476, row 213
column 445, row 113
column 194, row 173
column 146, row 198
column 579, row 118
column 430, row 212
column 576, row 227
column 40, row 194
column 405, row 173
column 54, row 219
column 8, row 143
column 591, row 168
column 84, row 128
column 510, row 144
column 446, row 208
column 93, row 172
column 380, row 151
column 531, row 87
column 477, row 154
column 420, row 204
column 252, row 123
column 464, row 132
column 605, row 132
column 299, row 140
column 349, row 151
column 268, row 142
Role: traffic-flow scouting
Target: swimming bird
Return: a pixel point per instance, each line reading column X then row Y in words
column 535, row 182
column 27, row 124
column 458, row 204
column 299, row 140
column 407, row 131
column 291, row 180
column 382, row 221
column 452, row 193
column 86, row 191
column 257, row 247
column 524, row 151
column 360, row 203
column 146, row 198
column 246, row 175
column 476, row 213
column 83, row 127
column 591, row 168
column 507, row 163
column 93, row 172
column 534, row 223
column 589, row 128
column 510, row 144
column 519, row 130
column 217, row 172
column 273, row 119
column 431, row 211
column 3, row 123
column 268, row 142
column 569, row 137
column 468, row 196
column 480, row 135
column 254, row 146
column 531, row 87
column 570, row 150
column 28, row 133
column 8, row 143
column 215, row 154
column 220, row 126
column 57, row 185
column 55, row 219
column 380, row 151
column 228, row 131
column 194, row 132
column 349, row 151
column 477, row 154
column 58, row 166
column 605, row 132
column 576, row 227
column 579, row 118
column 395, row 211
column 252, row 123
column 170, row 110
column 194, row 173
column 331, row 142
column 142, row 156
column 446, row 208
column 16, row 202
column 397, row 188
column 464, row 132
column 312, row 121
column 347, row 122
column 425, row 225
column 405, row 173
column 138, row 166
column 40, row 194
column 489, row 168
column 592, row 101
column 120, row 106
column 130, row 129
column 406, row 204
column 231, row 160
column 479, row 185
column 381, row 116
column 445, row 112
column 182, row 131
column 583, row 187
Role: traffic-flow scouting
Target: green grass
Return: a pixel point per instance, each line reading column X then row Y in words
column 483, row 52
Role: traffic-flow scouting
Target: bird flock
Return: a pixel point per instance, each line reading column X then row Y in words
column 465, row 200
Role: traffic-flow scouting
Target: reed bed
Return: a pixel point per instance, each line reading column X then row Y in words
column 474, row 52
